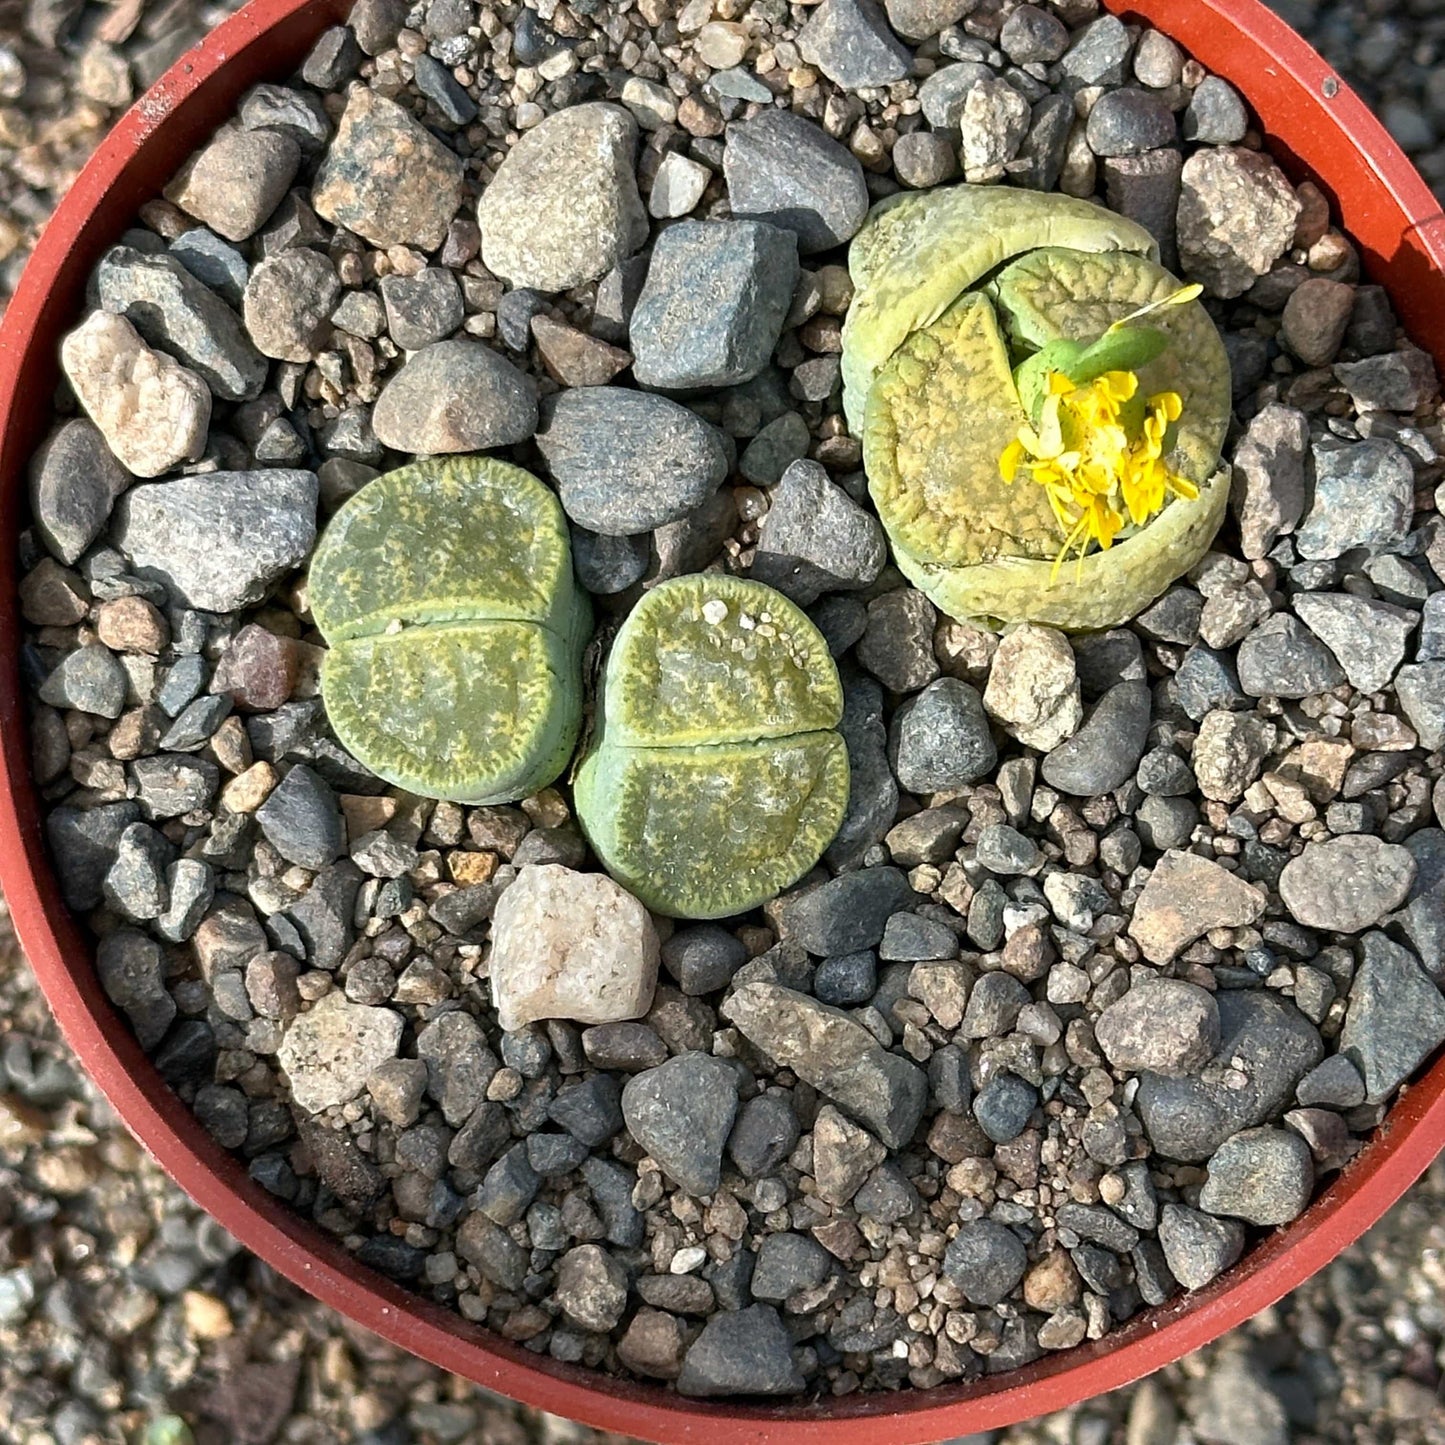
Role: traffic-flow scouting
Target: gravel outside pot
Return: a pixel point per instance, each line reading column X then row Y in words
column 1316, row 127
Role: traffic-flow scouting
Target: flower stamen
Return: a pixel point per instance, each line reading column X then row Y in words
column 1098, row 452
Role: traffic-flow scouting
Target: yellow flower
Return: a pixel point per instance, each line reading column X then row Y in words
column 1098, row 452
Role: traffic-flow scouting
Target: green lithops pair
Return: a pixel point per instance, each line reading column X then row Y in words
column 714, row 776
column 445, row 593
column 1042, row 406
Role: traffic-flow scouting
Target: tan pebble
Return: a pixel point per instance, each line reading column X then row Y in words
column 471, row 868
column 547, row 809
column 365, row 815
column 21, row 1124
column 246, row 792
column 131, row 624
column 207, row 1318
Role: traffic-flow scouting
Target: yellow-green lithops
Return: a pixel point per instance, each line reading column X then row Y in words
column 445, row 593
column 715, row 776
column 959, row 290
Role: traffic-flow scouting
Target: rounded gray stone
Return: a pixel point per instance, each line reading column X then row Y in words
column 627, row 461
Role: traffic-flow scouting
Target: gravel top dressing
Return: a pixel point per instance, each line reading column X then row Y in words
column 895, row 990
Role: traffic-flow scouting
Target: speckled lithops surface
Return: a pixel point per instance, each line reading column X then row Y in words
column 1127, row 938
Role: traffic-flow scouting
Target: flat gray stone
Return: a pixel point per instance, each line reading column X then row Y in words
column 786, row 170
column 714, row 302
column 682, row 1113
column 455, row 396
column 221, row 539
column 626, row 462
column 1396, row 1017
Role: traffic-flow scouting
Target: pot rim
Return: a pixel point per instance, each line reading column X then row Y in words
column 1316, row 126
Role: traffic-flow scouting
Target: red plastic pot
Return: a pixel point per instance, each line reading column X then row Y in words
column 1314, row 125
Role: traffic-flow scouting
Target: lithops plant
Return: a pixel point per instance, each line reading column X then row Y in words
column 714, row 777
column 445, row 593
column 1042, row 405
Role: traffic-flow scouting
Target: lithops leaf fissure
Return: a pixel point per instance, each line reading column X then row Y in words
column 714, row 777
column 445, row 591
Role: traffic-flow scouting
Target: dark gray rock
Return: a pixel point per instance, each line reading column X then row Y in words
column 985, row 1260
column 1396, row 1016
column 1145, row 189
column 181, row 316
column 1164, row 774
column 90, row 679
column 713, row 305
column 845, row 914
column 1398, row 381
column 1033, row 34
column 1268, row 1041
column 765, row 1134
column 783, row 441
column 169, row 784
column 849, row 979
column 741, row 1352
column 1207, row 681
column 1197, row 1247
column 611, row 1186
column 1421, row 690
column 301, row 820
column 323, row 916
column 785, row 170
column 786, row 1264
column 1130, row 121
column 606, row 566
column 942, row 94
column 872, row 789
column 1333, row 1084
column 994, row 1004
column 1264, row 1176
column 1104, row 753
column 1007, row 852
column 74, row 483
column 1283, row 658
column 626, row 462
column 1216, row 114
column 219, row 540
column 1004, row 1106
column 459, row 1066
column 135, row 885
column 590, row 1110
column 911, row 938
column 423, row 308
column 132, row 973
column 215, row 262
column 835, row 1054
column 1041, row 157
column 816, row 539
column 440, row 87
column 942, row 739
column 682, row 1113
column 1364, row 497
column 703, row 957
column 297, row 113
column 850, row 42
column 1421, row 919
column 83, row 846
column 1099, row 55
column 897, row 646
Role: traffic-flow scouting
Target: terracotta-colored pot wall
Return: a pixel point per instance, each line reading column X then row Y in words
column 1315, row 126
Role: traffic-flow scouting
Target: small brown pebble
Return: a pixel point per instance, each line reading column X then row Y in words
column 468, row 868
column 574, row 358
column 131, row 624
column 258, row 669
